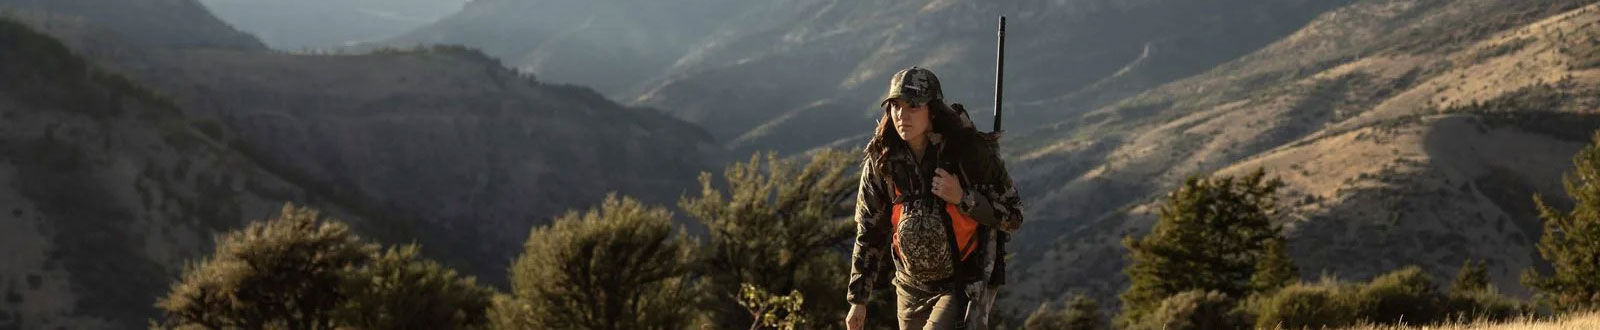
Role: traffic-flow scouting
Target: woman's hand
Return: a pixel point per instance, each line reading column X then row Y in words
column 947, row 187
column 857, row 319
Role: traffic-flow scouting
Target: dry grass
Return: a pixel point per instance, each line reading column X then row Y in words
column 1584, row 321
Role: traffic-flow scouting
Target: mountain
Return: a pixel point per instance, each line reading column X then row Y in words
column 1407, row 132
column 781, row 75
column 167, row 23
column 614, row 46
column 108, row 189
column 441, row 145
column 445, row 134
column 329, row 24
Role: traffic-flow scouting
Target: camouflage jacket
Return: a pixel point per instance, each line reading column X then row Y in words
column 990, row 198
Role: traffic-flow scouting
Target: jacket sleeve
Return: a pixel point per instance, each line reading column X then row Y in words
column 869, row 258
column 991, row 198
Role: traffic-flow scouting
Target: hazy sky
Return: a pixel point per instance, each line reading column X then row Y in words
column 301, row 24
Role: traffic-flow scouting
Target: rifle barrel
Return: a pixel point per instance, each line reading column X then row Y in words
column 999, row 72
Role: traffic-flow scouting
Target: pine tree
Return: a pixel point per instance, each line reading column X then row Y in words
column 1275, row 269
column 780, row 229
column 617, row 266
column 1571, row 240
column 1210, row 236
column 1473, row 277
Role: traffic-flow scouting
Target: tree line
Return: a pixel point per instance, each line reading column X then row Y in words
column 773, row 257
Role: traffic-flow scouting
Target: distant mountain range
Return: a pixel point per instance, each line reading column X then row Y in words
column 781, row 75
column 306, row 25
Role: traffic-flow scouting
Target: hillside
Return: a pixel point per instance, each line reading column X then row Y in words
column 778, row 75
column 610, row 45
column 169, row 23
column 327, row 24
column 108, row 188
column 444, row 134
column 446, row 138
column 1408, row 132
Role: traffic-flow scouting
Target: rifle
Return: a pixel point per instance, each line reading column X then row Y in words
column 999, row 73
column 978, row 307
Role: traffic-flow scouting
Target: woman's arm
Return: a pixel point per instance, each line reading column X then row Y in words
column 872, row 234
column 992, row 199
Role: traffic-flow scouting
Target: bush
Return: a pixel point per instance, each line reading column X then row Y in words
column 1483, row 305
column 1403, row 295
column 301, row 271
column 617, row 266
column 399, row 290
column 772, row 311
column 778, row 226
column 1080, row 313
column 1473, row 298
column 1307, row 305
column 282, row 273
column 1194, row 310
column 1473, row 276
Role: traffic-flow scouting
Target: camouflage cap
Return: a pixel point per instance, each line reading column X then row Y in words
column 915, row 85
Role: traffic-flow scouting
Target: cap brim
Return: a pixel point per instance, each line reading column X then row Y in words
column 891, row 98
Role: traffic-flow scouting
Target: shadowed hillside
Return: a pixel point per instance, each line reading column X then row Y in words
column 444, row 138
column 109, row 187
column 171, row 23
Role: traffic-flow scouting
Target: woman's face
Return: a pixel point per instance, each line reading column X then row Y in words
column 911, row 122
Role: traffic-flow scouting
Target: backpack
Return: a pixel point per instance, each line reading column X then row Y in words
column 932, row 237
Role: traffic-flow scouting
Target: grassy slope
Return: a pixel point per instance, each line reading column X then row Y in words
column 1379, row 176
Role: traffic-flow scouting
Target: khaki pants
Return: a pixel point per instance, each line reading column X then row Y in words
column 918, row 309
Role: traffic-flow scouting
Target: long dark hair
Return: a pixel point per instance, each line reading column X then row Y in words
column 950, row 127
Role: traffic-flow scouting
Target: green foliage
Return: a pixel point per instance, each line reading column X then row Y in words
column 616, row 266
column 301, row 271
column 1211, row 236
column 1571, row 240
column 1080, row 313
column 282, row 273
column 1406, row 296
column 1472, row 297
column 1275, row 269
column 1402, row 295
column 1473, row 276
column 1194, row 310
column 1484, row 304
column 1304, row 305
column 780, row 229
column 399, row 290
column 772, row 311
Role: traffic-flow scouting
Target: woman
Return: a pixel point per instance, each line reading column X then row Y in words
column 933, row 192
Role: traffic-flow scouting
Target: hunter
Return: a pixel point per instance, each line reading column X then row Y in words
column 934, row 199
